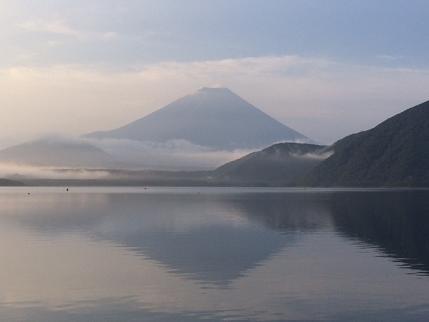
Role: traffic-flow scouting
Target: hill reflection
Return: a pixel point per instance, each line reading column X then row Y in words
column 397, row 223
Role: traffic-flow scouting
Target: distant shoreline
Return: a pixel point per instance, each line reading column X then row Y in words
column 147, row 185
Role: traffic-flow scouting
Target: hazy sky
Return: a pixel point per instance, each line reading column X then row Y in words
column 324, row 67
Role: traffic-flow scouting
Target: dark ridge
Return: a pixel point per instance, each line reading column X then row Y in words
column 394, row 153
column 278, row 165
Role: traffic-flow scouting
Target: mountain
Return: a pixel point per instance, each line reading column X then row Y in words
column 394, row 153
column 279, row 164
column 56, row 152
column 211, row 117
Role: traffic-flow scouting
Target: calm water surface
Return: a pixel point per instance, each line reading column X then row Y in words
column 213, row 254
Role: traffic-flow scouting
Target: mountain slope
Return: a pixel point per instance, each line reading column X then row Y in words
column 58, row 153
column 279, row 164
column 212, row 117
column 394, row 153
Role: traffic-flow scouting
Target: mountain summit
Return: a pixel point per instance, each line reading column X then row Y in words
column 211, row 117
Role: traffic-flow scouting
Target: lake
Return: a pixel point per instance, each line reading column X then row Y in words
column 213, row 254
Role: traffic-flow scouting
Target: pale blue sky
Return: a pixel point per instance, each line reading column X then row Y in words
column 325, row 67
column 380, row 32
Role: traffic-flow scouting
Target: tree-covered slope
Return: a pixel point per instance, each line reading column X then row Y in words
column 394, row 153
column 279, row 164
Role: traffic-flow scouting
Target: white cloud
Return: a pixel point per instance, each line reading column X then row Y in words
column 61, row 27
column 171, row 155
column 54, row 27
column 386, row 57
column 33, row 172
column 126, row 154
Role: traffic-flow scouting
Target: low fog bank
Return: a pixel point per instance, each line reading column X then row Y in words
column 323, row 155
column 24, row 172
column 87, row 161
column 174, row 155
column 58, row 157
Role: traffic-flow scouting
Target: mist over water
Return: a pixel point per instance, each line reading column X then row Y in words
column 92, row 159
column 47, row 156
column 170, row 155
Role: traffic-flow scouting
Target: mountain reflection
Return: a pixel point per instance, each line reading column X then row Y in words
column 203, row 237
column 216, row 238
